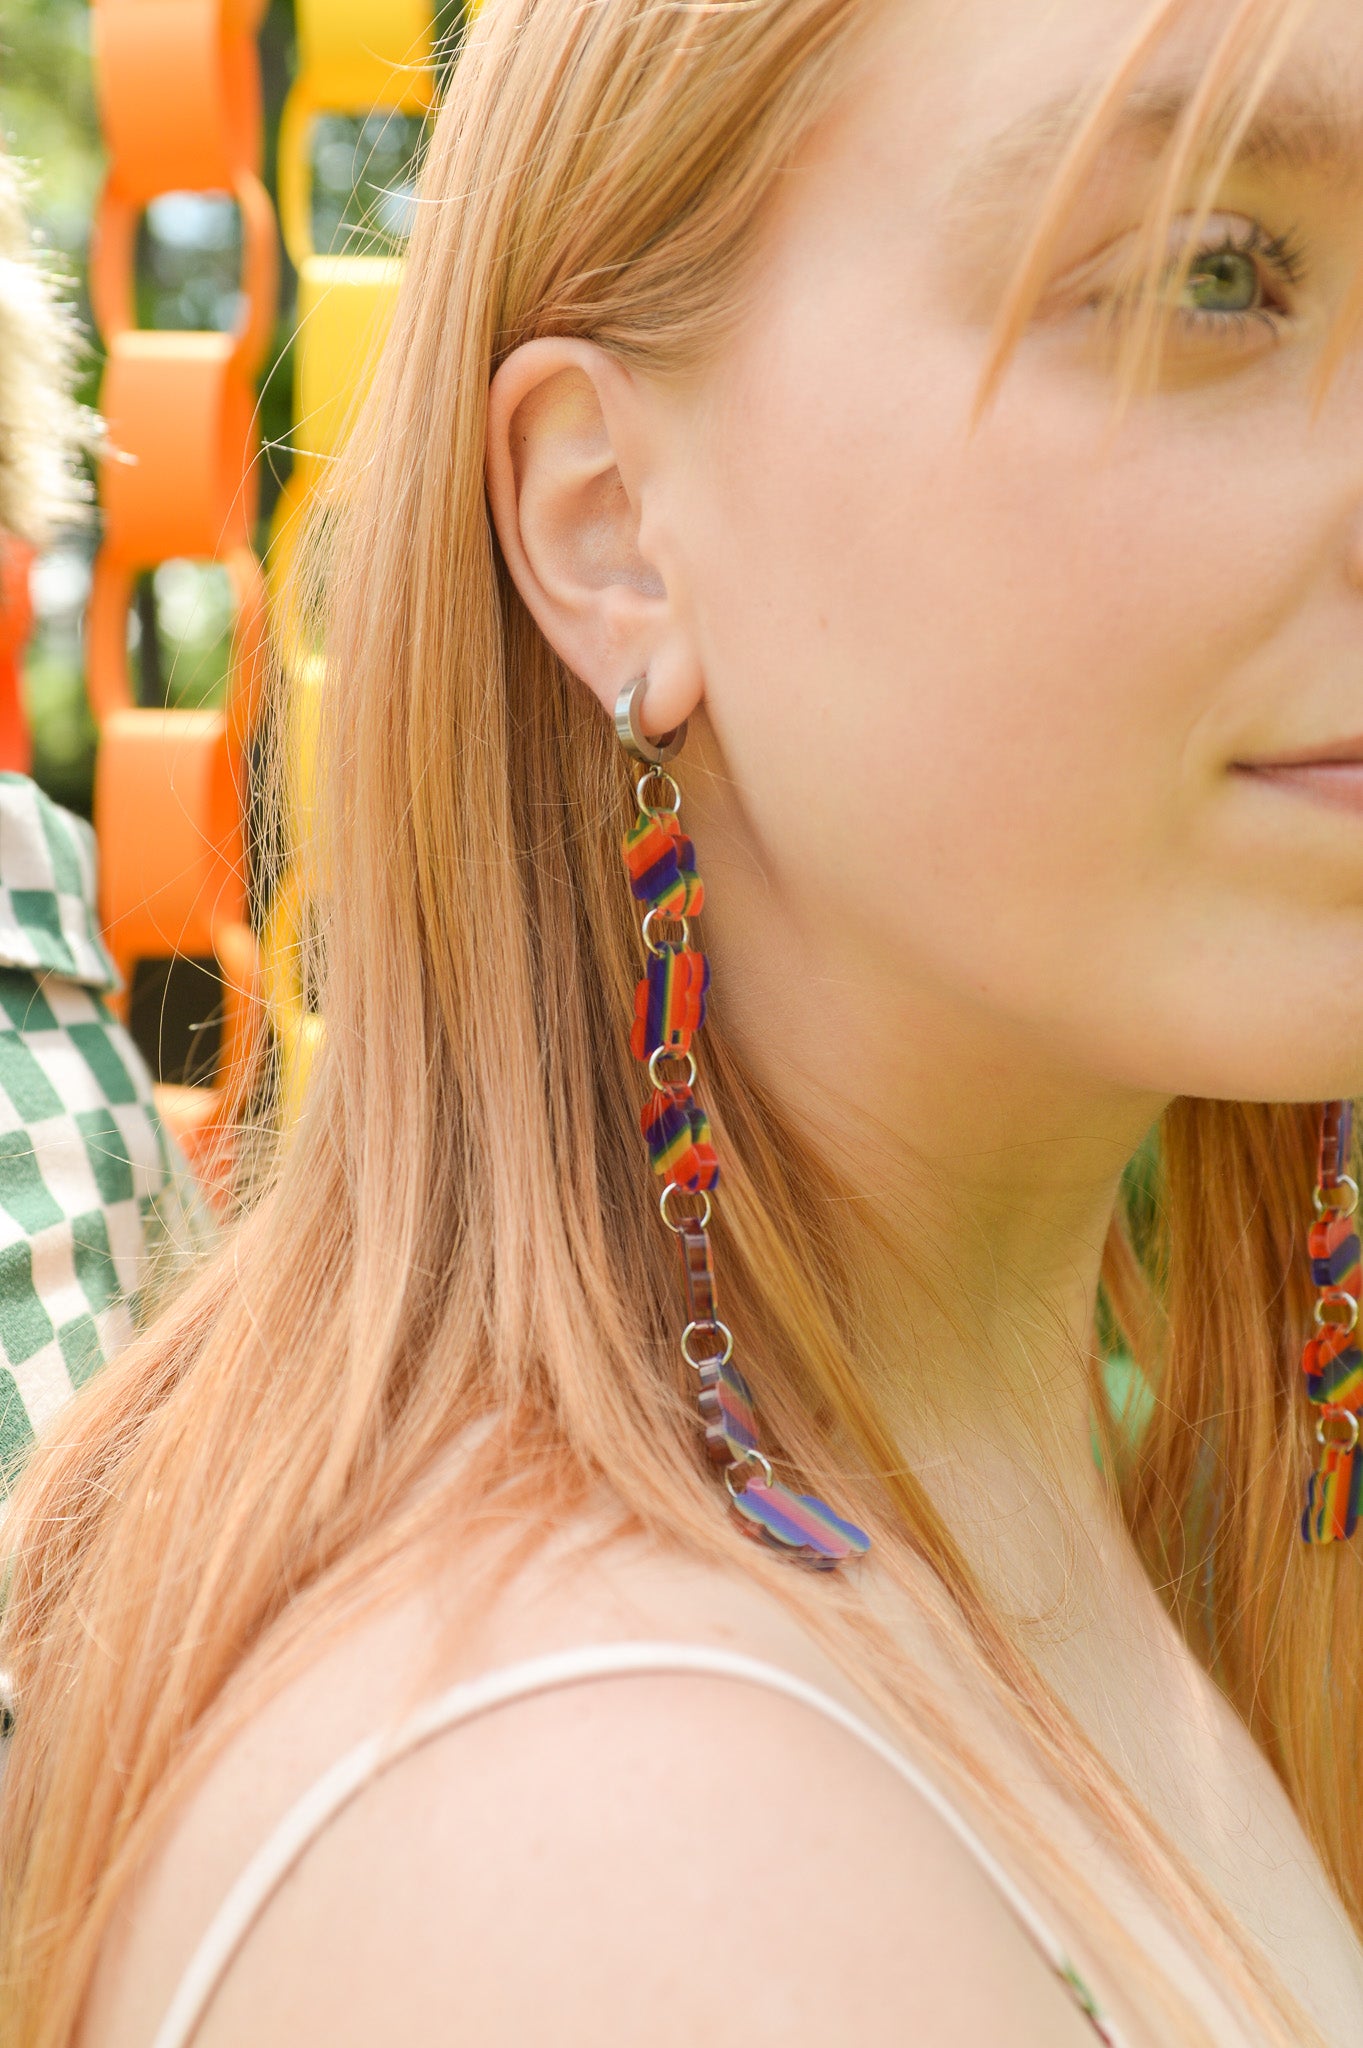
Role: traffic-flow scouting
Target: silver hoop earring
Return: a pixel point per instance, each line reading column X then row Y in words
column 631, row 734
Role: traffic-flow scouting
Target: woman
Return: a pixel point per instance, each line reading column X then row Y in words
column 952, row 416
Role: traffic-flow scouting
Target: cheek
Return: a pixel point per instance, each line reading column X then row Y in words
column 1009, row 618
column 1011, row 658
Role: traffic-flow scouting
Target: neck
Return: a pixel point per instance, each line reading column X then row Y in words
column 985, row 1169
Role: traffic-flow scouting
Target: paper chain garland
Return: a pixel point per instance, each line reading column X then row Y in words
column 669, row 1009
column 1333, row 1360
column 178, row 85
column 181, row 109
column 356, row 58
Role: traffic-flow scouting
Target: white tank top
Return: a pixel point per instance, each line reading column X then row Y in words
column 347, row 1778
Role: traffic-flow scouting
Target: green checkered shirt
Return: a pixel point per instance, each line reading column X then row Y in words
column 96, row 1202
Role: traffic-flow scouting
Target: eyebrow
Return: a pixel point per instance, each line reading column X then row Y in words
column 1306, row 128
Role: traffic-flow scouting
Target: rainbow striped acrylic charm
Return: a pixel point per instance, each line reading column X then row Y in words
column 669, row 1009
column 1332, row 1360
column 798, row 1522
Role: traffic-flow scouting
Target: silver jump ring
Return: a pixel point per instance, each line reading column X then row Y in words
column 630, row 732
column 1324, row 1208
column 707, row 1323
column 668, row 918
column 665, row 1052
column 1337, row 1295
column 672, row 1188
column 1349, row 1442
column 658, row 810
column 750, row 1457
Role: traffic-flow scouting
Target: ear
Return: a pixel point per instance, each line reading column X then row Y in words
column 569, row 465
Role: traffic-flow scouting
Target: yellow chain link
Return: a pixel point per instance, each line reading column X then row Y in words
column 356, row 57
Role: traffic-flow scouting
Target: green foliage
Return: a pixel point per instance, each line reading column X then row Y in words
column 47, row 111
column 363, row 181
column 48, row 114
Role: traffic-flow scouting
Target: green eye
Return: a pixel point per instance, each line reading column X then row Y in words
column 1237, row 286
column 1224, row 281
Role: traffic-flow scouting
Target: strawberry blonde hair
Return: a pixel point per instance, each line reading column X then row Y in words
column 458, row 1231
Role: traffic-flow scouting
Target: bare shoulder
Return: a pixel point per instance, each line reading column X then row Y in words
column 640, row 1858
column 630, row 1857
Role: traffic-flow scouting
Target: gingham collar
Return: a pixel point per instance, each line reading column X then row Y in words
column 49, row 921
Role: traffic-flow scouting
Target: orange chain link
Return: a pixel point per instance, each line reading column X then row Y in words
column 16, row 624
column 178, row 86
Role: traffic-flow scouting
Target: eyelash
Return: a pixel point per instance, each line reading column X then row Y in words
column 1284, row 255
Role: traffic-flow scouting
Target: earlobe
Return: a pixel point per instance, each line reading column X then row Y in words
column 567, row 461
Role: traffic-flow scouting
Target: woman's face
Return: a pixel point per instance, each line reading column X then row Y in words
column 1012, row 710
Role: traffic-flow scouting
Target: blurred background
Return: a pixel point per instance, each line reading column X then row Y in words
column 188, row 273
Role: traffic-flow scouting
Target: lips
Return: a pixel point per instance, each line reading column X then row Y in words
column 1330, row 774
column 1332, row 754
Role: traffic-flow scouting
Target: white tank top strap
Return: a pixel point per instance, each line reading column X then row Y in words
column 348, row 1777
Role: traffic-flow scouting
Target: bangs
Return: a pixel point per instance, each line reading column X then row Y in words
column 1205, row 141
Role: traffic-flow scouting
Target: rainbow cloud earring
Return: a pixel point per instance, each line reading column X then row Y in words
column 1333, row 1361
column 669, row 1009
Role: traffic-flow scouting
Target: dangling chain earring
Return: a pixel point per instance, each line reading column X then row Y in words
column 669, row 1008
column 1333, row 1362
